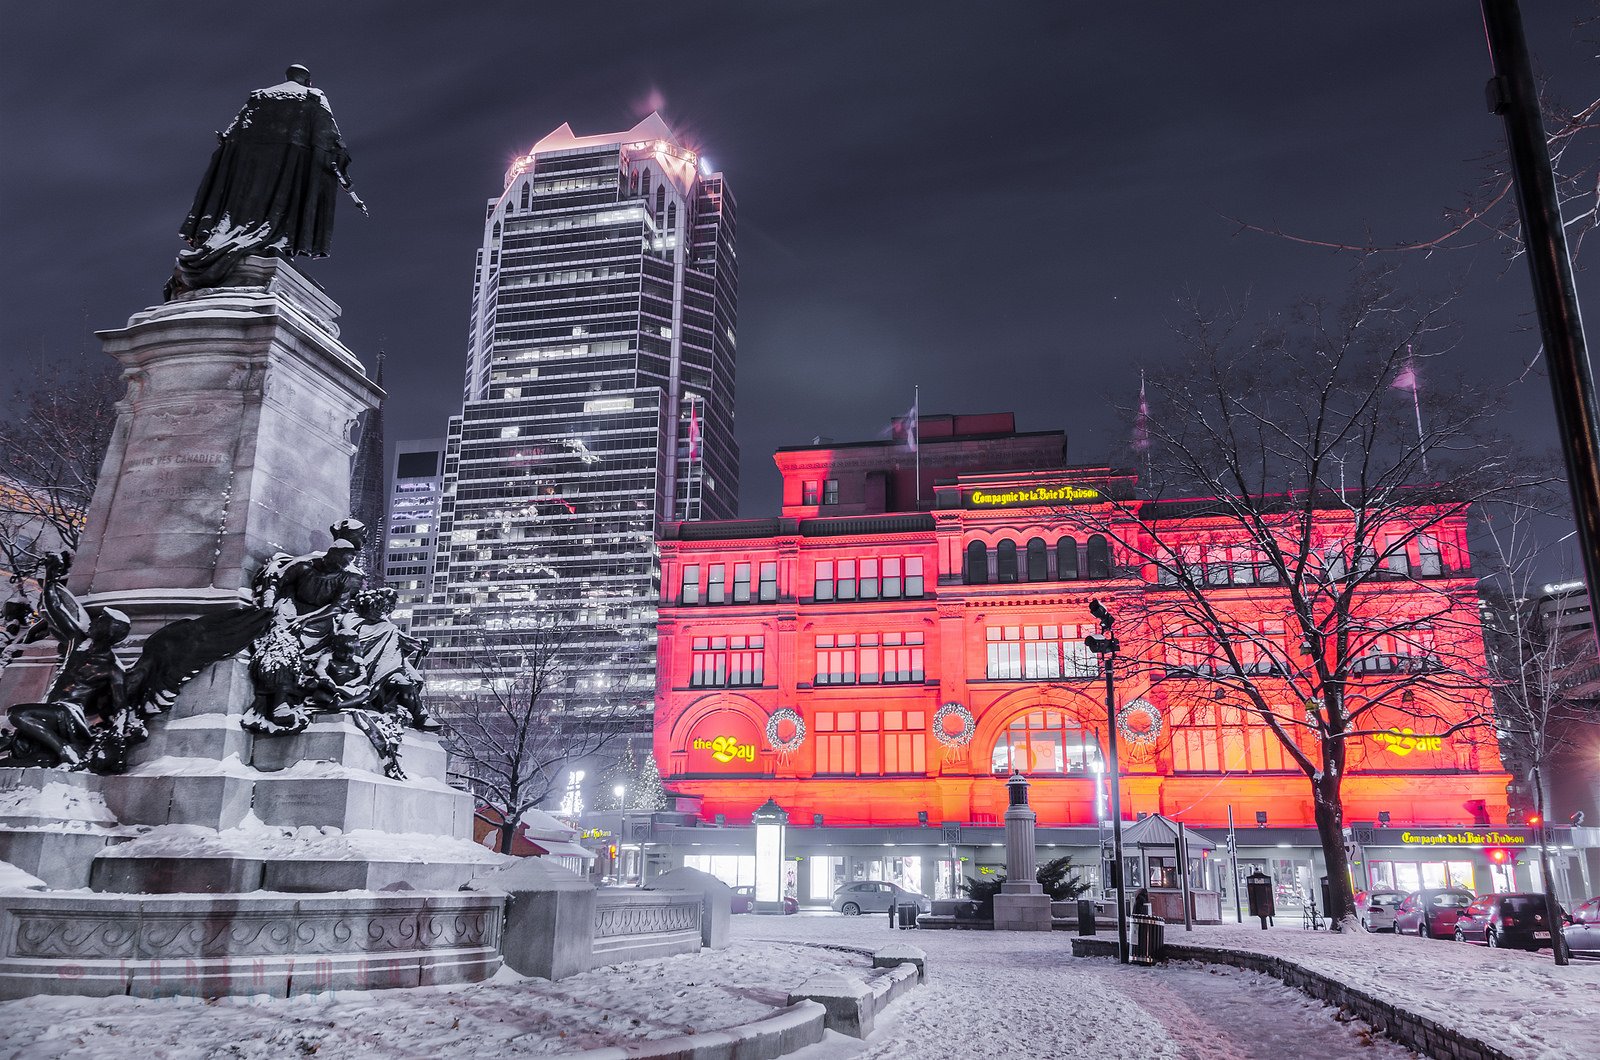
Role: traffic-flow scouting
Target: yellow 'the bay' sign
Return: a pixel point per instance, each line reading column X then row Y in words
column 1042, row 495
column 1403, row 741
column 726, row 749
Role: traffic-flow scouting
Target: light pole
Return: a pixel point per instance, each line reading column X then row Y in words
column 1106, row 648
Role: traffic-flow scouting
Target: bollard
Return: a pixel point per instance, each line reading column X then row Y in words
column 1086, row 924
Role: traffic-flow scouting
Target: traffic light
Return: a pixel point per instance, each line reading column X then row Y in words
column 1534, row 820
column 1499, row 856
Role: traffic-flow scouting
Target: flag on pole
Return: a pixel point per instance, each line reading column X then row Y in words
column 694, row 429
column 911, row 421
column 1407, row 378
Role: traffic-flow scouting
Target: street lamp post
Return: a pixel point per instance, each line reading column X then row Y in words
column 1106, row 647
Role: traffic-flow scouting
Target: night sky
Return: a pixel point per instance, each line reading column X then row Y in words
column 998, row 202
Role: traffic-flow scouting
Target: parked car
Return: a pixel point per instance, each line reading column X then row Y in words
column 1377, row 908
column 1512, row 921
column 875, row 896
column 1582, row 930
column 744, row 901
column 1431, row 913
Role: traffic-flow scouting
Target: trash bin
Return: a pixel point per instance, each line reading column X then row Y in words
column 908, row 915
column 1086, row 923
column 1258, row 890
column 1149, row 939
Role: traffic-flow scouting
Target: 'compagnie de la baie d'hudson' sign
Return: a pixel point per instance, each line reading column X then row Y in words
column 980, row 498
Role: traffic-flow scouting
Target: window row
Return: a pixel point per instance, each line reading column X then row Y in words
column 1046, row 741
column 885, row 578
column 1037, row 561
column 811, row 497
column 1038, row 653
column 727, row 662
column 1260, row 650
column 873, row 743
column 717, row 589
column 870, row 659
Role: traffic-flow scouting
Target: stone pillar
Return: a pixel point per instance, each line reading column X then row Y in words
column 1021, row 904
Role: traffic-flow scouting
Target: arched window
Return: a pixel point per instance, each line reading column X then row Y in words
column 1006, row 561
column 661, row 198
column 1097, row 557
column 644, row 188
column 524, row 195
column 672, row 216
column 633, row 182
column 977, row 563
column 497, row 231
column 1037, row 564
column 1067, row 558
column 1046, row 741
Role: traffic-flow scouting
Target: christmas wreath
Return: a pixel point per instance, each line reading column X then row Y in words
column 1139, row 723
column 798, row 737
column 961, row 737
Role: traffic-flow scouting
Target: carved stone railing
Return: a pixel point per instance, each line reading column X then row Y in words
column 631, row 925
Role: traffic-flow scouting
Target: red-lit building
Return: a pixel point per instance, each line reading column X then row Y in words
column 910, row 629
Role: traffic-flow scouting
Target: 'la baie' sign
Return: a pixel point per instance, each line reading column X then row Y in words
column 1043, row 495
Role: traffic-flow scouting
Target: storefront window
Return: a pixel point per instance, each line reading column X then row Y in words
column 1434, row 875
column 827, row 875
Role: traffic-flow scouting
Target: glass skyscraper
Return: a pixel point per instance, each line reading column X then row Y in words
column 597, row 401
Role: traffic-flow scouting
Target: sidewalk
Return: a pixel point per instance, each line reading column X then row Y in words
column 1519, row 1003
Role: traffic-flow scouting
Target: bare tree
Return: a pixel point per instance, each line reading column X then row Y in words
column 1488, row 213
column 517, row 734
column 1304, row 529
column 51, row 448
column 1539, row 670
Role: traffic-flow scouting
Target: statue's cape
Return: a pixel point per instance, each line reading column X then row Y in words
column 273, row 175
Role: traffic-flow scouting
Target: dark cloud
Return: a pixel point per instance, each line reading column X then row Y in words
column 998, row 202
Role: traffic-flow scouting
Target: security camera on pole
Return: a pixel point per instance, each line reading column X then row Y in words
column 1106, row 647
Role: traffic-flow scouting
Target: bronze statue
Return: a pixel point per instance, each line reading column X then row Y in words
column 94, row 684
column 271, row 185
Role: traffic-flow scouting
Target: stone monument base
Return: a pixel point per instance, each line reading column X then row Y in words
column 1022, row 912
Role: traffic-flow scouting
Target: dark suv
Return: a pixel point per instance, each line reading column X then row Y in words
column 1512, row 921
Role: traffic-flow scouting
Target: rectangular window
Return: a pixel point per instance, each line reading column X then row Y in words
column 870, row 659
column 1430, row 561
column 869, row 579
column 741, row 583
column 872, row 743
column 689, row 593
column 830, row 491
column 824, row 581
column 913, row 576
column 808, row 494
column 847, row 579
column 727, row 662
column 717, row 586
column 893, row 582
column 769, row 581
column 1038, row 653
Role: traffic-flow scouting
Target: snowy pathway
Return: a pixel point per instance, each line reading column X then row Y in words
column 1007, row 995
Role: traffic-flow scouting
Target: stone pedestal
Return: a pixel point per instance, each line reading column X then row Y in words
column 254, row 863
column 1021, row 904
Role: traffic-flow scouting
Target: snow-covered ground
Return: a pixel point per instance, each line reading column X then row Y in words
column 995, row 994
column 507, row 1016
column 1004, row 995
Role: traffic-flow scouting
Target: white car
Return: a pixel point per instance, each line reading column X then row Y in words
column 1377, row 908
column 875, row 896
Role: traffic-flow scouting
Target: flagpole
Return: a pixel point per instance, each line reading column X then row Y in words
column 916, row 442
column 1416, row 407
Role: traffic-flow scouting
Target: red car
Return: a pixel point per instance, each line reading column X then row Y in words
column 1431, row 914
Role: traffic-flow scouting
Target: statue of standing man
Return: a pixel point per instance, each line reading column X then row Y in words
column 271, row 186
